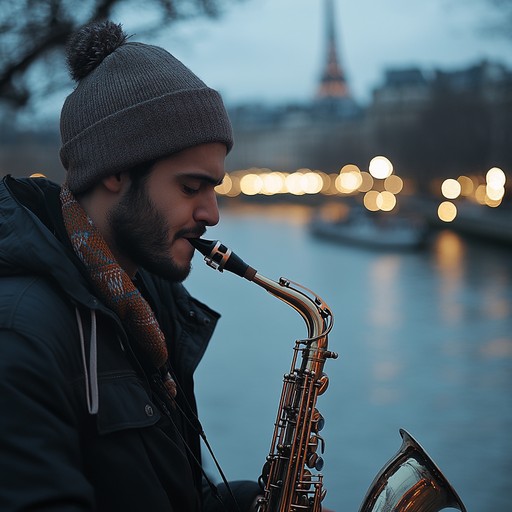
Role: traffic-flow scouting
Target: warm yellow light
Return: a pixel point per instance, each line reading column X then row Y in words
column 386, row 201
column 495, row 178
column 311, row 182
column 350, row 168
column 251, row 184
column 393, row 184
column 37, row 175
column 230, row 186
column 370, row 200
column 326, row 182
column 447, row 211
column 366, row 183
column 380, row 167
column 493, row 203
column 450, row 188
column 494, row 194
column 293, row 183
column 273, row 183
column 480, row 194
column 466, row 185
column 349, row 181
column 330, row 184
column 235, row 186
column 225, row 187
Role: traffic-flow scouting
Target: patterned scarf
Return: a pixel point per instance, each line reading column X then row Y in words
column 114, row 286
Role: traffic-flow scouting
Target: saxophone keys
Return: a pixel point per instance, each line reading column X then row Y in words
column 322, row 383
column 330, row 355
column 315, row 461
column 305, row 483
column 313, row 443
column 317, row 420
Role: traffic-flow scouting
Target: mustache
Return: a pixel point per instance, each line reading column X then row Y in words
column 196, row 232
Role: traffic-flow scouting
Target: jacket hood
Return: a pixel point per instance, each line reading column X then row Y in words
column 33, row 241
column 28, row 236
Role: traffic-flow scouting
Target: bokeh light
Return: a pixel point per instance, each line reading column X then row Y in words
column 495, row 178
column 447, row 211
column 386, row 201
column 466, row 185
column 480, row 194
column 370, row 200
column 293, row 183
column 451, row 188
column 311, row 182
column 349, row 179
column 366, row 182
column 380, row 167
column 273, row 183
column 393, row 184
column 251, row 184
column 225, row 187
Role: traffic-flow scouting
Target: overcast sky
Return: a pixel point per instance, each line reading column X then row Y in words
column 273, row 50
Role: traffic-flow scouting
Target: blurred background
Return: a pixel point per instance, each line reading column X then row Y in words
column 372, row 164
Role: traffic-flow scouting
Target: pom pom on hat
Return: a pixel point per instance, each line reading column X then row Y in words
column 134, row 103
column 87, row 48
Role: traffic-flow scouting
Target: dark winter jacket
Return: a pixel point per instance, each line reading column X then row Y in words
column 64, row 354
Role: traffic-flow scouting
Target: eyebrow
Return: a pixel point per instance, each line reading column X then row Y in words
column 202, row 177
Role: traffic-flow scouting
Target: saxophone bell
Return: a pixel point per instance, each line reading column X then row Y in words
column 410, row 482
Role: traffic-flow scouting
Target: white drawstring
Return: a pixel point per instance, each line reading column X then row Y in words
column 91, row 383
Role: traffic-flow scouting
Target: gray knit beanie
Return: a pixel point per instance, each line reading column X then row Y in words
column 134, row 103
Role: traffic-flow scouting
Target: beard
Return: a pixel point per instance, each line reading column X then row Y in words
column 141, row 233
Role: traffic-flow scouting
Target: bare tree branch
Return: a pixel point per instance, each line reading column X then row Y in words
column 35, row 31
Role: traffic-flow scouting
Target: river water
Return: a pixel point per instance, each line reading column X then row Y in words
column 425, row 344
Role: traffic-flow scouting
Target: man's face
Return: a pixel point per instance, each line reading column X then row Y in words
column 151, row 223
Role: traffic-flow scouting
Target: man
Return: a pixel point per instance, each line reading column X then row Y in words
column 98, row 338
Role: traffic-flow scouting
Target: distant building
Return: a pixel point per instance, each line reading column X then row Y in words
column 484, row 76
column 320, row 133
column 429, row 123
column 403, row 95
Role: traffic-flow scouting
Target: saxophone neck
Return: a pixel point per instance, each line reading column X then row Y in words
column 313, row 309
column 315, row 312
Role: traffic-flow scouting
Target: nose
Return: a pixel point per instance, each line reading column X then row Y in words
column 207, row 210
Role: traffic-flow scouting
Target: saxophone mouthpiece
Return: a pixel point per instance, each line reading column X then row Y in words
column 219, row 257
column 205, row 247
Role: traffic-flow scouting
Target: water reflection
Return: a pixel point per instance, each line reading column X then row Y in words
column 448, row 251
column 386, row 312
column 425, row 341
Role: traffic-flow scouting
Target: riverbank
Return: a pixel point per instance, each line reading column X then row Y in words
column 472, row 220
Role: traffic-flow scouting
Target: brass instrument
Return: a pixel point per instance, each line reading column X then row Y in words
column 410, row 482
column 290, row 479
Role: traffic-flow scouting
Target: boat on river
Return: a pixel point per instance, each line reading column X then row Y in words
column 372, row 230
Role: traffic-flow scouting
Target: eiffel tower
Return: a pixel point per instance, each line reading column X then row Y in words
column 332, row 81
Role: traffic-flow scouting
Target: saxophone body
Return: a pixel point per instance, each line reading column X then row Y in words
column 291, row 480
column 290, row 476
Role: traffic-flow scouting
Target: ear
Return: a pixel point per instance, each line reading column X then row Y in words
column 116, row 182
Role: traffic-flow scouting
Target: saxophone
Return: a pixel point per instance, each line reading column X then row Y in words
column 291, row 480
